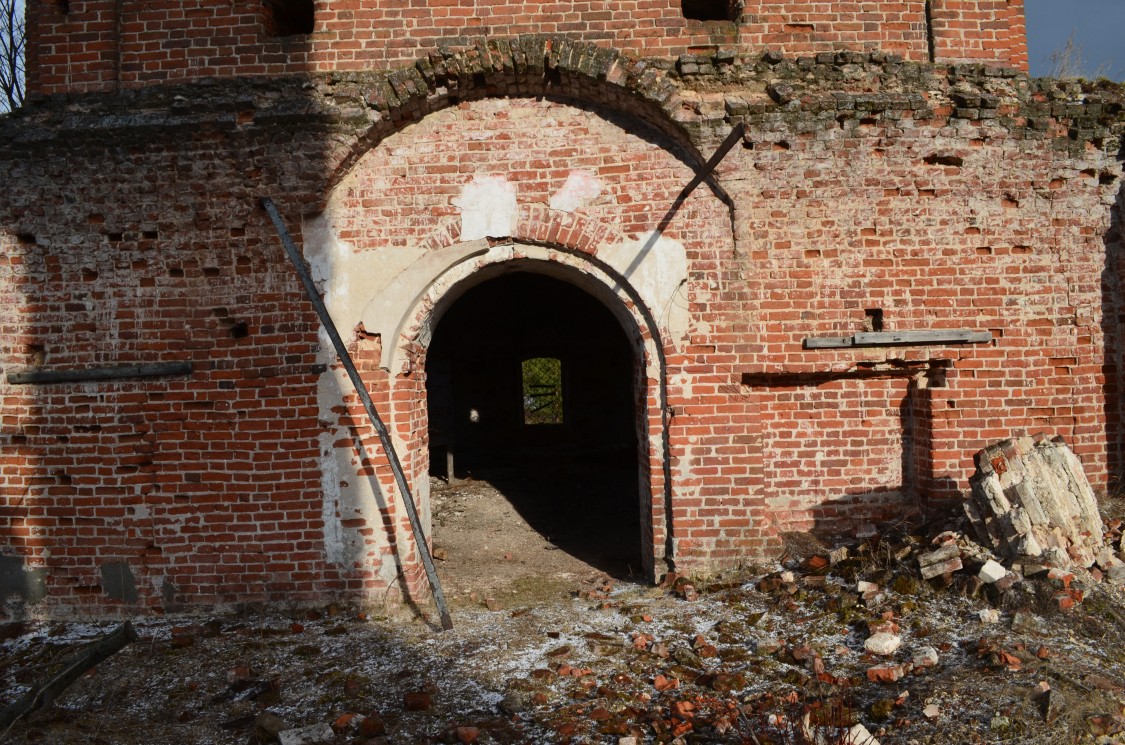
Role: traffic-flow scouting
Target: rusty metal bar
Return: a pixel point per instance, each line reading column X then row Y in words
column 109, row 372
column 368, row 405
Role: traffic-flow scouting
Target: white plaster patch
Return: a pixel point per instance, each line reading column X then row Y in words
column 488, row 208
column 345, row 277
column 348, row 494
column 579, row 191
column 657, row 268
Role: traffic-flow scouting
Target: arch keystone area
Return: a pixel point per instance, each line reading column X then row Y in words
column 650, row 269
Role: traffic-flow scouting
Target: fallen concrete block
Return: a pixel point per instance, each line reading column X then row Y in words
column 945, row 553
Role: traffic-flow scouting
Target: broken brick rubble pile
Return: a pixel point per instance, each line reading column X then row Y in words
column 1031, row 499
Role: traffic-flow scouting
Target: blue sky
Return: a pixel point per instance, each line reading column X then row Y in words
column 1098, row 26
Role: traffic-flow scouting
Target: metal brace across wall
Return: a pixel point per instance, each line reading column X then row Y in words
column 109, row 372
column 369, row 406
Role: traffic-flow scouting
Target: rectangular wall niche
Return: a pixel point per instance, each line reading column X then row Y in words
column 711, row 10
column 542, row 391
column 290, row 17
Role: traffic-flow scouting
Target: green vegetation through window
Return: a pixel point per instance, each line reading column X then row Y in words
column 542, row 391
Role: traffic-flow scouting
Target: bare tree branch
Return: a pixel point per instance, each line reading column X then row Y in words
column 13, row 37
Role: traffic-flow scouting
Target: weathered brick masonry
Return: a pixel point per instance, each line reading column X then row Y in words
column 872, row 186
column 107, row 44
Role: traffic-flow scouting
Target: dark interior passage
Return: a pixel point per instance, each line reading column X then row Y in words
column 531, row 387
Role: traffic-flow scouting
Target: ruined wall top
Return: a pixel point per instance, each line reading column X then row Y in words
column 107, row 45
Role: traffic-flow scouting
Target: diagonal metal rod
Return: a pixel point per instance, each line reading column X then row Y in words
column 365, row 397
column 736, row 134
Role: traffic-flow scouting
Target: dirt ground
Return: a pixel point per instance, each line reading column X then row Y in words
column 576, row 652
column 517, row 534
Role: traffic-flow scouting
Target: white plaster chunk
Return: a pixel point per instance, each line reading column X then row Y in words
column 859, row 735
column 314, row 734
column 925, row 657
column 488, row 208
column 882, row 643
column 1026, row 545
column 579, row 191
column 992, row 571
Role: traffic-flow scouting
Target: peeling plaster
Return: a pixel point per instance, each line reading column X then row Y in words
column 581, row 189
column 347, row 278
column 386, row 311
column 488, row 208
column 657, row 268
column 347, row 494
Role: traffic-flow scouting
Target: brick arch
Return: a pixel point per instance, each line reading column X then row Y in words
column 575, row 72
column 551, row 238
column 538, row 224
column 400, row 253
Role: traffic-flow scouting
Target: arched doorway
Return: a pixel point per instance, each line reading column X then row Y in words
column 532, row 390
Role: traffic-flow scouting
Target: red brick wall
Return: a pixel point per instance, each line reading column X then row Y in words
column 139, row 239
column 980, row 31
column 91, row 47
column 836, row 450
column 207, row 486
column 872, row 215
column 878, row 215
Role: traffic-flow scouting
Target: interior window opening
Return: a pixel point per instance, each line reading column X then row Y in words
column 542, row 391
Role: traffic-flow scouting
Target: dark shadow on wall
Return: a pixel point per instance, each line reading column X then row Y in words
column 1113, row 331
column 141, row 242
column 921, row 498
